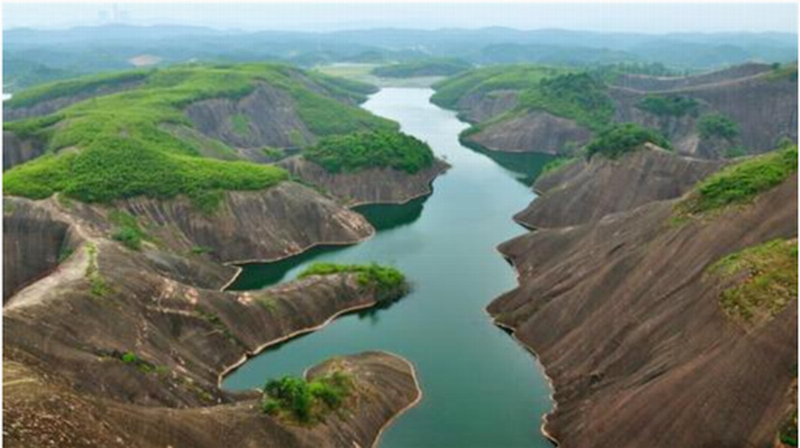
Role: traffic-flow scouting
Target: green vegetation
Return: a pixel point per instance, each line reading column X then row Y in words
column 487, row 79
column 97, row 284
column 766, row 281
column 215, row 321
column 578, row 96
column 241, row 124
column 557, row 164
column 783, row 72
column 388, row 282
column 128, row 232
column 623, row 138
column 381, row 149
column 676, row 106
column 132, row 359
column 304, row 400
column 85, row 84
column 202, row 250
column 64, row 252
column 717, row 125
column 115, row 146
column 424, row 67
column 788, row 431
column 741, row 182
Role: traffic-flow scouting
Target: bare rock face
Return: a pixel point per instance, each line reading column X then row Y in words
column 33, row 241
column 259, row 225
column 586, row 191
column 533, row 132
column 764, row 107
column 265, row 118
column 369, row 186
column 482, row 106
column 628, row 326
column 125, row 347
column 658, row 83
column 18, row 150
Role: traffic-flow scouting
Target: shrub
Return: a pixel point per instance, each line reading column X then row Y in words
column 120, row 147
column 130, row 238
column 487, row 79
column 389, row 282
column 717, row 125
column 305, row 400
column 128, row 231
column 676, row 106
column 382, row 149
column 623, row 138
column 578, row 96
column 741, row 182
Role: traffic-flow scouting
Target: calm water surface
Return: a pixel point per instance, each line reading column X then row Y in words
column 481, row 389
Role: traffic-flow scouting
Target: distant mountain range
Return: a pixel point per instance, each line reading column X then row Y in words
column 32, row 55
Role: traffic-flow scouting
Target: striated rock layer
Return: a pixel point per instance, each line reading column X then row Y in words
column 18, row 150
column 588, row 190
column 369, row 186
column 626, row 321
column 66, row 336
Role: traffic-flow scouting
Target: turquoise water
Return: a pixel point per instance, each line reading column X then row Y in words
column 481, row 389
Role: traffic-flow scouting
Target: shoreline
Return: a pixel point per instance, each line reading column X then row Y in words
column 512, row 333
column 238, row 264
column 258, row 350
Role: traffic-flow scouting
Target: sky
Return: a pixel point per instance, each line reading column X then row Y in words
column 617, row 17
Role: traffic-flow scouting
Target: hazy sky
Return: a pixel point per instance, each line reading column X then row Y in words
column 646, row 18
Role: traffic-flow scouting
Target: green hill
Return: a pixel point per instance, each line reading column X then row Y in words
column 116, row 145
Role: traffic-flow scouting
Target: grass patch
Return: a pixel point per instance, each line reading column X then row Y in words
column 123, row 148
column 766, row 281
column 621, row 139
column 362, row 150
column 388, row 282
column 303, row 400
column 557, row 164
column 91, row 83
column 241, row 124
column 98, row 286
column 740, row 183
column 128, row 232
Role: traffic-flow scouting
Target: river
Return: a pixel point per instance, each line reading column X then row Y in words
column 481, row 389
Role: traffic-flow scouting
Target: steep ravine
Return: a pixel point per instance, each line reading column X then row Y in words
column 627, row 322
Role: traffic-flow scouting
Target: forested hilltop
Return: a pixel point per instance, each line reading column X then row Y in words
column 191, row 130
column 740, row 110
